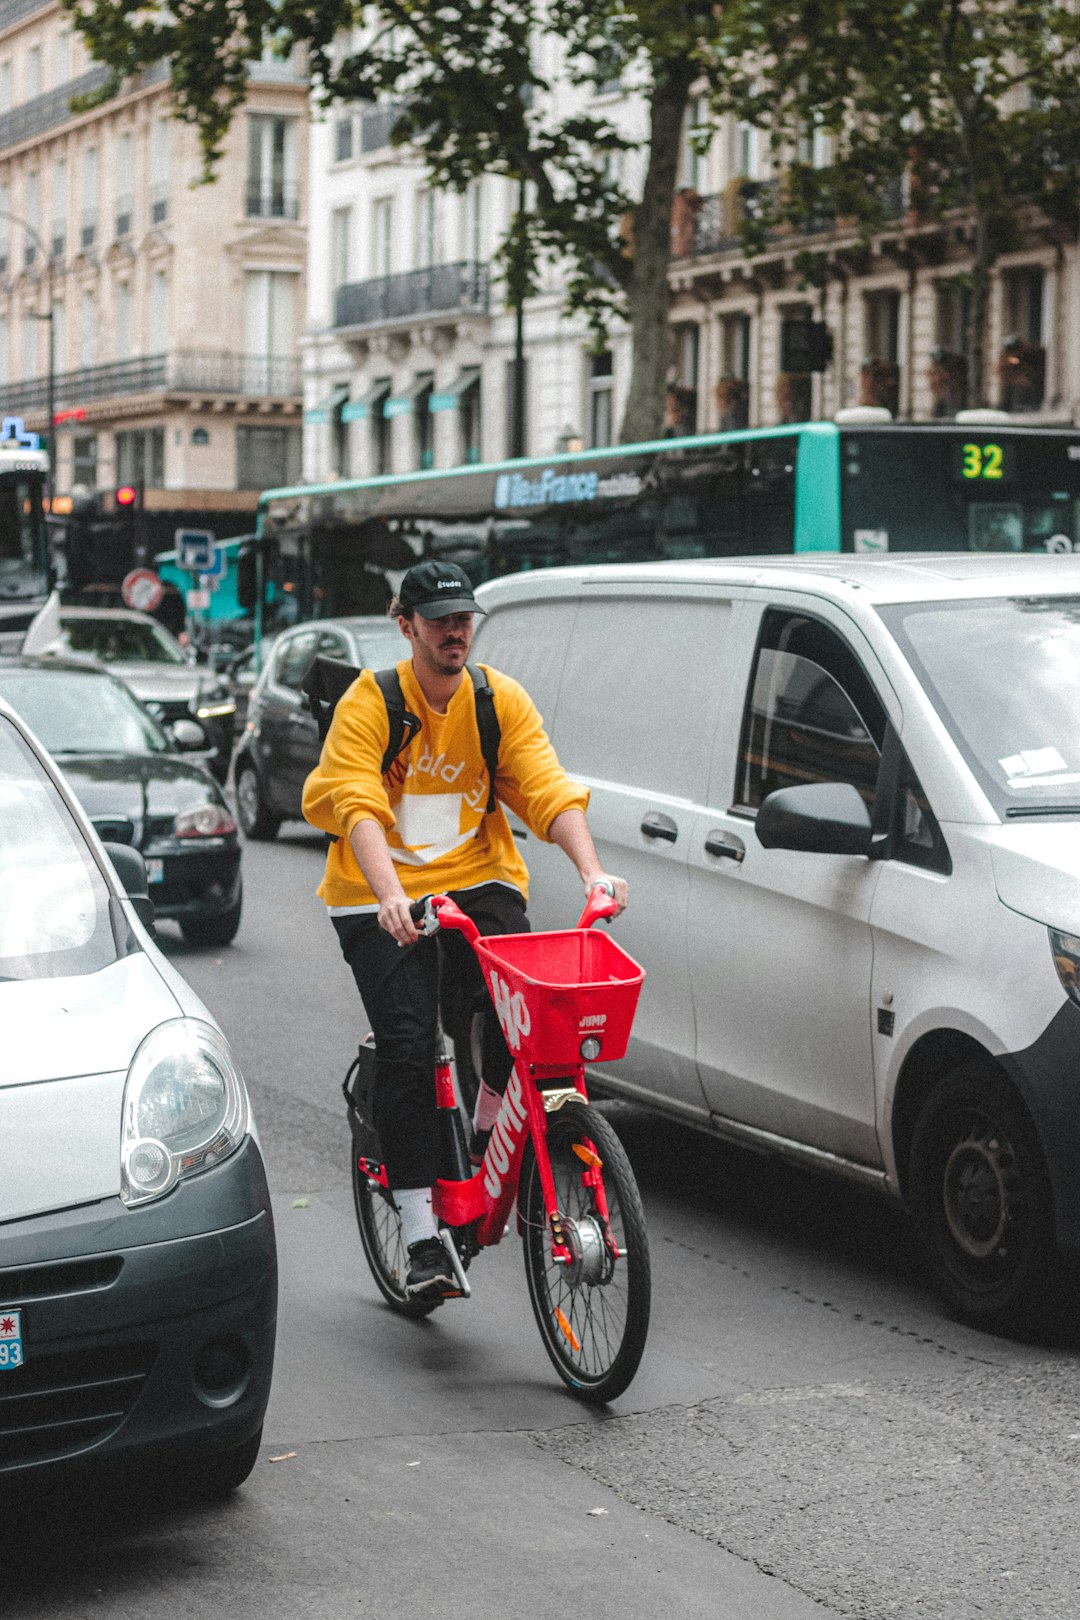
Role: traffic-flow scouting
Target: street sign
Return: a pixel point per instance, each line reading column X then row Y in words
column 195, row 549
column 216, row 570
column 197, row 601
column 142, row 589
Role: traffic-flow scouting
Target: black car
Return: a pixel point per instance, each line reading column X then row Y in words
column 137, row 789
column 279, row 744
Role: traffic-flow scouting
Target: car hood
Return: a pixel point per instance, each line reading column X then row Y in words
column 137, row 787
column 66, row 1050
column 163, row 682
column 1037, row 872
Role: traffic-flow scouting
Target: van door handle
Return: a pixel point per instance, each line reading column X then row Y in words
column 725, row 844
column 657, row 826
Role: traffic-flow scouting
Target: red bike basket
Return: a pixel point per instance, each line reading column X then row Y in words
column 554, row 991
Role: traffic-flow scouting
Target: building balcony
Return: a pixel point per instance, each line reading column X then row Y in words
column 185, row 372
column 46, row 112
column 377, row 126
column 272, row 199
column 442, row 289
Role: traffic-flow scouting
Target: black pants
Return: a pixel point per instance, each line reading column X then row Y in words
column 401, row 987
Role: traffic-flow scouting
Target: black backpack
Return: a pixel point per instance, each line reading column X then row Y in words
column 329, row 679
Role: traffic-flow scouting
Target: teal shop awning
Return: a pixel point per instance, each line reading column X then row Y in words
column 335, row 400
column 401, row 404
column 448, row 399
column 358, row 410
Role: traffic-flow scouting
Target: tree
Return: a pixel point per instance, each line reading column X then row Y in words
column 975, row 105
column 474, row 101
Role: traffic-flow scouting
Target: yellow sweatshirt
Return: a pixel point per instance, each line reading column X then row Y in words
column 431, row 802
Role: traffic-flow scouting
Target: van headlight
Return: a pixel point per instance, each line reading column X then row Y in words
column 185, row 1108
column 1066, row 951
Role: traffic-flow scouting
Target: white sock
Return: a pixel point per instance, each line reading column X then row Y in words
column 486, row 1112
column 417, row 1217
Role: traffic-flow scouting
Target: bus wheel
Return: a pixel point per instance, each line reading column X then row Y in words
column 256, row 820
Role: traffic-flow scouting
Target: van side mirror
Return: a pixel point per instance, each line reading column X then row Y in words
column 821, row 818
column 131, row 870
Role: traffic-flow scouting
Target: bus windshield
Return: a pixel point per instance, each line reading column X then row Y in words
column 23, row 569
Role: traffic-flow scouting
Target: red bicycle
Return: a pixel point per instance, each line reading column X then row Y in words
column 563, row 999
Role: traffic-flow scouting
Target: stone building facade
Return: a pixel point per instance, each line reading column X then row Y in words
column 176, row 308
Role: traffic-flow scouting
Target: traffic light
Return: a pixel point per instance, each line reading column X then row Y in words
column 127, row 500
column 127, row 497
column 805, row 345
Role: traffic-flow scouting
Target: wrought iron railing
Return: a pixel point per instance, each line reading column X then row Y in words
column 193, row 371
column 443, row 288
column 54, row 107
column 272, row 199
column 377, row 126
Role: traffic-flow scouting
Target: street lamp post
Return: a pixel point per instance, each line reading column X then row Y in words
column 50, row 379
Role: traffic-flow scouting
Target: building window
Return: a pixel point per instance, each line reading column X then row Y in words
column 380, row 426
column 270, row 334
column 140, row 457
column 747, row 154
column 601, row 400
column 33, row 73
column 340, row 431
column 423, row 425
column 89, row 197
column 382, row 236
column 125, row 184
column 5, row 86
column 84, row 453
column 427, row 230
column 31, row 212
column 681, row 404
column 733, row 388
column 694, row 162
column 272, row 188
column 160, row 140
column 267, row 457
column 879, row 383
column 340, row 247
column 1022, row 362
column 123, row 320
column 159, row 313
column 58, row 234
column 88, row 327
column 343, row 139
column 62, row 57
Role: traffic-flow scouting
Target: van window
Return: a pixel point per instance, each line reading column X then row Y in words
column 812, row 714
column 641, row 691
column 527, row 640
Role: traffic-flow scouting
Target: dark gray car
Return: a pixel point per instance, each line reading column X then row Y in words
column 279, row 745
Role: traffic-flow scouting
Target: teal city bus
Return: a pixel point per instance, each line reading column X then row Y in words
column 855, row 484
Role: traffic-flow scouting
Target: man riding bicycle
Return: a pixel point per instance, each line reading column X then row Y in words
column 424, row 828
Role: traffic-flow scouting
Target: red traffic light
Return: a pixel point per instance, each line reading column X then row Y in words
column 126, row 495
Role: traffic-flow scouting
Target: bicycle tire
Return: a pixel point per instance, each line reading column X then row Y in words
column 594, row 1333
column 384, row 1245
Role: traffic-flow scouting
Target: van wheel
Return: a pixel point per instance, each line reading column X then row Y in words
column 980, row 1197
column 256, row 820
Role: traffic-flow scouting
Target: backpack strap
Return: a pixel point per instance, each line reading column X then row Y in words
column 403, row 723
column 487, row 722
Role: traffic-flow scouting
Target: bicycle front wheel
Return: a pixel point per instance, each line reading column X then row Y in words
column 593, row 1314
column 384, row 1244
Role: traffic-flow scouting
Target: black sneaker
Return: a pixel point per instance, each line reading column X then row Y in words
column 430, row 1271
column 478, row 1145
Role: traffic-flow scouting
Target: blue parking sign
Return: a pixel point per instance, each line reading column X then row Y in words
column 195, row 550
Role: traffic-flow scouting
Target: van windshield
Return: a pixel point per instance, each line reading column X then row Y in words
column 1004, row 675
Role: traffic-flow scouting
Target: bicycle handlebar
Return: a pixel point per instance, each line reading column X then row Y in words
column 437, row 911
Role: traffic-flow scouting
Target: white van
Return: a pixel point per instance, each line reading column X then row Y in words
column 846, row 795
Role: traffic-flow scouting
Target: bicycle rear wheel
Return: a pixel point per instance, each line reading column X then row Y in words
column 384, row 1244
column 593, row 1315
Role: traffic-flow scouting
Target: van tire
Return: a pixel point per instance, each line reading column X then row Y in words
column 257, row 821
column 980, row 1198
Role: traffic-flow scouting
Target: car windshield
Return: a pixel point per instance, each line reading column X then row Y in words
column 1004, row 675
column 122, row 641
column 54, row 904
column 81, row 713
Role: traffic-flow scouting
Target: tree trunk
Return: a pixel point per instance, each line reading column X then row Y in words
column 649, row 294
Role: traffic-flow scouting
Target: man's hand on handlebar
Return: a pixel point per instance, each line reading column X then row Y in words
column 615, row 886
column 395, row 915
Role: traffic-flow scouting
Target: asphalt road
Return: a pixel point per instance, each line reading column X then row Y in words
column 809, row 1434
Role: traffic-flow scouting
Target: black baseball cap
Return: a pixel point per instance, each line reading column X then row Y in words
column 437, row 589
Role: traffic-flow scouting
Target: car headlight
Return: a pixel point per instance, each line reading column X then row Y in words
column 1066, row 950
column 185, row 1108
column 213, row 701
column 205, row 821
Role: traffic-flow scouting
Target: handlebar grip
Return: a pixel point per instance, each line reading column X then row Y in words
column 418, row 908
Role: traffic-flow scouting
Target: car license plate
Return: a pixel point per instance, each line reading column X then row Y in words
column 155, row 869
column 11, row 1340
